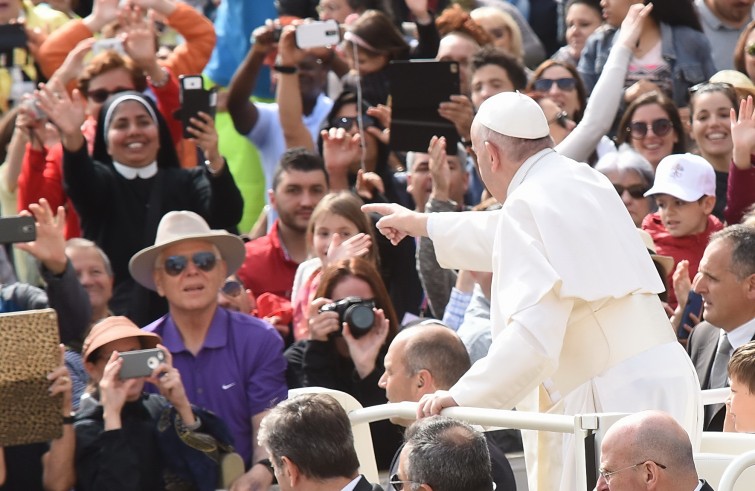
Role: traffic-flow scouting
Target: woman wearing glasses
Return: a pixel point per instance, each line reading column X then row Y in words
column 632, row 175
column 560, row 82
column 652, row 126
column 744, row 52
column 132, row 179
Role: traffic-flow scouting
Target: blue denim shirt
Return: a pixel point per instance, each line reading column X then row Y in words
column 686, row 50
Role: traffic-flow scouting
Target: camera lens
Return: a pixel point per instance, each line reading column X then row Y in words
column 360, row 318
column 152, row 362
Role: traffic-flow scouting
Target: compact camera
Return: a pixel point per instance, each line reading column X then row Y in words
column 354, row 311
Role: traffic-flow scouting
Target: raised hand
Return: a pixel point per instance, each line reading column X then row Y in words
column 321, row 324
column 290, row 54
column 382, row 113
column 114, row 391
column 67, row 113
column 439, row 169
column 139, row 37
column 103, row 12
column 61, row 383
column 264, row 39
column 167, row 379
column 460, row 111
column 74, row 62
column 206, row 138
column 355, row 246
column 631, row 27
column 682, row 283
column 743, row 133
column 368, row 183
column 50, row 245
column 339, row 150
column 365, row 350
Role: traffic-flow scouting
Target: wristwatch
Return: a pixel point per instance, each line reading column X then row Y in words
column 285, row 69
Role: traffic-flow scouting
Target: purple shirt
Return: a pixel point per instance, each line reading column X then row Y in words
column 239, row 372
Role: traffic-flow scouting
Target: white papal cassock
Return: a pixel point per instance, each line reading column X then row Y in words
column 577, row 325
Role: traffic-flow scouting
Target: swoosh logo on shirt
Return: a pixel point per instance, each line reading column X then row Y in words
column 228, row 386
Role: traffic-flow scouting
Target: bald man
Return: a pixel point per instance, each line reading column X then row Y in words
column 648, row 451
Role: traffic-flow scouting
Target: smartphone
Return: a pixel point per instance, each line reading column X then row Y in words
column 140, row 363
column 30, row 105
column 318, row 34
column 17, row 229
column 108, row 44
column 12, row 36
column 694, row 306
column 194, row 98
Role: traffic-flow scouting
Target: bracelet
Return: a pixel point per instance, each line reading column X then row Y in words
column 286, row 70
column 195, row 426
column 163, row 83
column 212, row 172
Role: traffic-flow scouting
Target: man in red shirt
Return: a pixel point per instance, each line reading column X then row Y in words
column 300, row 181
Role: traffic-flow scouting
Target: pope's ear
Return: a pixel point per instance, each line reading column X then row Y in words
column 495, row 156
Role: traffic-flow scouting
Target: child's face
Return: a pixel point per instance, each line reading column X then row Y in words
column 326, row 227
column 742, row 407
column 682, row 218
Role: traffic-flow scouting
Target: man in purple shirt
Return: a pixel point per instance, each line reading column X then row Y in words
column 230, row 363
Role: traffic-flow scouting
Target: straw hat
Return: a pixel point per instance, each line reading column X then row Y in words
column 179, row 226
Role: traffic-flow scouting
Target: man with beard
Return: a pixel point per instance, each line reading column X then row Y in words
column 299, row 182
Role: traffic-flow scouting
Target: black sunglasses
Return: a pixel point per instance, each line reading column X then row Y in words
column 205, row 261
column 751, row 50
column 347, row 122
column 636, row 191
column 561, row 119
column 232, row 288
column 639, row 129
column 100, row 95
column 545, row 84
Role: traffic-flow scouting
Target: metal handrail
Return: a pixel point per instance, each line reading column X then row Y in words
column 735, row 469
column 715, row 396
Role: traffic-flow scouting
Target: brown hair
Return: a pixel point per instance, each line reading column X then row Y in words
column 378, row 30
column 742, row 365
column 366, row 271
column 7, row 128
column 455, row 19
column 581, row 91
column 348, row 206
column 739, row 49
column 654, row 97
column 107, row 62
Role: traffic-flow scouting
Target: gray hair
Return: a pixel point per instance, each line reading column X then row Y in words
column 77, row 243
column 627, row 159
column 437, row 349
column 515, row 149
column 448, row 455
column 742, row 239
column 314, row 432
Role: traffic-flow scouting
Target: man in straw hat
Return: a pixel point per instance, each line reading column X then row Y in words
column 576, row 320
column 231, row 363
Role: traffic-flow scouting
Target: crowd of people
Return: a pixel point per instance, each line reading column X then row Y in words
column 549, row 257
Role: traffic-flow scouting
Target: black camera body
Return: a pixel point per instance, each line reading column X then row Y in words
column 354, row 311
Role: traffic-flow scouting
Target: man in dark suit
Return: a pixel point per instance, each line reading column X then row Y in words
column 648, row 450
column 311, row 446
column 726, row 281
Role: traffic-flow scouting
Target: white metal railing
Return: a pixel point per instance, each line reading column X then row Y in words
column 735, row 469
column 715, row 396
column 581, row 426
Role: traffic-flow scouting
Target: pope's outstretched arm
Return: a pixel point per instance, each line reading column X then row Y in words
column 398, row 222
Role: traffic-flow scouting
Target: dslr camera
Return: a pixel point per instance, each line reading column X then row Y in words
column 354, row 311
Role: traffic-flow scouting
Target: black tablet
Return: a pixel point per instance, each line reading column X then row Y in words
column 417, row 89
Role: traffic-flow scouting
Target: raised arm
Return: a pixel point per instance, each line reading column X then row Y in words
column 288, row 94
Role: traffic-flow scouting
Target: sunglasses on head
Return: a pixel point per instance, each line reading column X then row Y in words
column 232, row 288
column 751, row 50
column 561, row 119
column 205, row 261
column 711, row 87
column 636, row 191
column 347, row 122
column 545, row 84
column 639, row 129
column 100, row 95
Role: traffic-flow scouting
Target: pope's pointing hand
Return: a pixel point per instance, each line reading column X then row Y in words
column 432, row 404
column 398, row 222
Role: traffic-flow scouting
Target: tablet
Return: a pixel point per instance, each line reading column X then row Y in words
column 28, row 352
column 417, row 89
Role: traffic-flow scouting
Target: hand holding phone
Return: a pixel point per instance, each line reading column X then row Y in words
column 694, row 307
column 140, row 363
column 317, row 34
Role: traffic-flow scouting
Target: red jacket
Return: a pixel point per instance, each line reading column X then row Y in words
column 689, row 247
column 267, row 267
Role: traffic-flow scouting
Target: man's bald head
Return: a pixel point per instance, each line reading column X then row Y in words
column 437, row 349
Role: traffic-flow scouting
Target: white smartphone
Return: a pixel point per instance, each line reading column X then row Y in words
column 108, row 44
column 318, row 34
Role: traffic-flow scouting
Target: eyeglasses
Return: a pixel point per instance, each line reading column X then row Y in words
column 205, row 261
column 347, row 122
column 100, row 95
column 232, row 288
column 607, row 475
column 561, row 119
column 750, row 50
column 712, row 87
column 545, row 84
column 397, row 483
column 639, row 129
column 636, row 191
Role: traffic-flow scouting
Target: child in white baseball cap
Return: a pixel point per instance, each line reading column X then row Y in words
column 685, row 192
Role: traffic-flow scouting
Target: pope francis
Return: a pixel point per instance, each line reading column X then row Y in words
column 577, row 323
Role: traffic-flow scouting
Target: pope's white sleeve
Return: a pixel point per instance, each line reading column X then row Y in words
column 520, row 358
column 464, row 240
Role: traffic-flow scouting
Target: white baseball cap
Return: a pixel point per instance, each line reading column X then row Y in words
column 685, row 176
column 513, row 114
